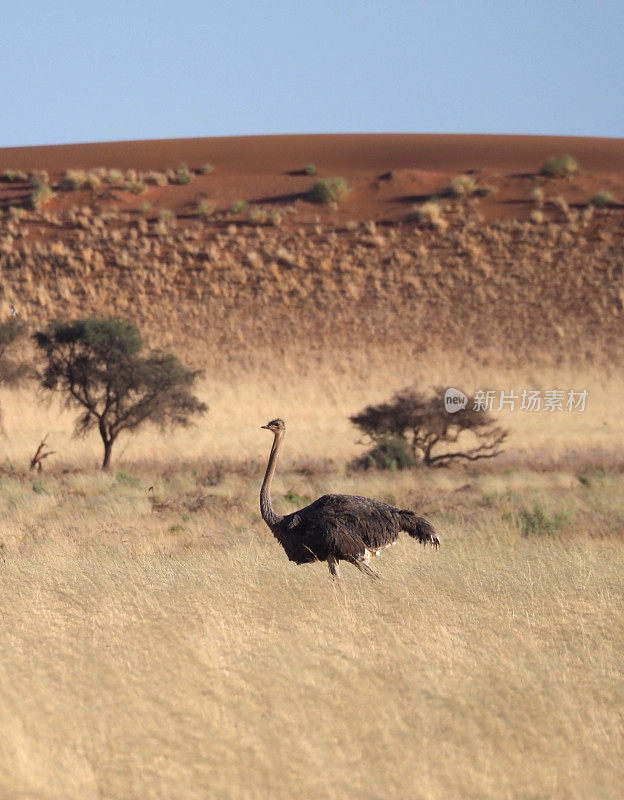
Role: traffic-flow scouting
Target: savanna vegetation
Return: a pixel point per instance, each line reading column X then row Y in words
column 156, row 642
column 97, row 366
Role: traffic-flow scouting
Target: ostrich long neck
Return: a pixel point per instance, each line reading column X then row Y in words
column 266, row 506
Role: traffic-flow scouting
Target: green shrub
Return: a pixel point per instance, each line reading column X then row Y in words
column 93, row 181
column 39, row 178
column 275, row 217
column 430, row 213
column 98, row 366
column 115, row 177
column 537, row 195
column 257, row 215
column 127, row 479
column 388, row 453
column 602, row 199
column 135, row 187
column 205, row 209
column 536, row 521
column 298, row 499
column 309, row 169
column 14, row 176
column 182, row 175
column 73, row 180
column 329, row 190
column 560, row 166
column 430, row 434
column 155, row 178
column 461, row 186
column 238, row 206
column 40, row 197
column 206, row 169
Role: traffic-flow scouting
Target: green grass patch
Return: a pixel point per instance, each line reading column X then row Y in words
column 537, row 522
column 127, row 479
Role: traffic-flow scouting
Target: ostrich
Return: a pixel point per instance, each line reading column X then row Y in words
column 337, row 526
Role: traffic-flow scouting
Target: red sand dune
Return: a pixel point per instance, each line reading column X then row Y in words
column 263, row 169
column 348, row 153
column 551, row 285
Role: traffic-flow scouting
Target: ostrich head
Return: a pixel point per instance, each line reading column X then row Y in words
column 275, row 425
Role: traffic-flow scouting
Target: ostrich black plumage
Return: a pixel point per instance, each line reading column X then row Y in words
column 337, row 527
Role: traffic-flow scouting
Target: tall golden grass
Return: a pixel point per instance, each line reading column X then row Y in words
column 316, row 402
column 179, row 654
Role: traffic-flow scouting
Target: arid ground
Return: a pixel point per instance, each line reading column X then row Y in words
column 158, row 644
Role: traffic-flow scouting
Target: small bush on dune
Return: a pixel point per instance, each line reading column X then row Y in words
column 14, row 176
column 182, row 175
column 166, row 215
column 238, row 206
column 73, row 180
column 602, row 199
column 560, row 166
column 430, row 214
column 329, row 190
column 205, row 209
column 537, row 216
column 115, row 177
column 310, row 169
column 39, row 179
column 462, row 186
column 206, row 169
column 40, row 197
column 258, row 215
column 155, row 178
column 135, row 187
column 93, row 181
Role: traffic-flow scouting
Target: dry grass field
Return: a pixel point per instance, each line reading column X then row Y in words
column 156, row 643
column 159, row 644
column 178, row 654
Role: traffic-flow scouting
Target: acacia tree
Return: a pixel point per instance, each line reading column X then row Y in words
column 98, row 366
column 432, row 435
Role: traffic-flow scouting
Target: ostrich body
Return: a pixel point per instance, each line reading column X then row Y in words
column 337, row 527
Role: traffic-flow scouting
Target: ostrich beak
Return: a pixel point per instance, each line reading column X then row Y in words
column 266, row 427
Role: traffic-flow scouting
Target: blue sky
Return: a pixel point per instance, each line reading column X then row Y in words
column 93, row 71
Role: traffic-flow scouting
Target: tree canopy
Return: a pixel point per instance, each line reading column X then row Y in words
column 432, row 435
column 98, row 366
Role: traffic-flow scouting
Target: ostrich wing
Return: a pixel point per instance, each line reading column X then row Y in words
column 348, row 524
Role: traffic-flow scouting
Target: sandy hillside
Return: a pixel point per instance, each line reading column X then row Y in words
column 244, row 267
